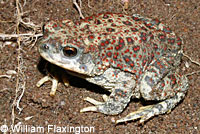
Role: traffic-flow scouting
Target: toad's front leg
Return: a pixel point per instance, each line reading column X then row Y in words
column 55, row 81
column 114, row 104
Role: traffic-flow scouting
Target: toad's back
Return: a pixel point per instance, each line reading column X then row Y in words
column 129, row 43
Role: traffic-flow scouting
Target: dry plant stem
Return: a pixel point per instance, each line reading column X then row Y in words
column 5, row 76
column 195, row 62
column 89, row 4
column 196, row 72
column 79, row 9
column 9, row 36
column 20, row 81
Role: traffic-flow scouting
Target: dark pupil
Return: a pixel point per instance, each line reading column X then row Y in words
column 69, row 51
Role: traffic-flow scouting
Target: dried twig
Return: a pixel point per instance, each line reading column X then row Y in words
column 193, row 61
column 9, row 36
column 196, row 72
column 79, row 8
column 20, row 76
column 89, row 4
column 5, row 76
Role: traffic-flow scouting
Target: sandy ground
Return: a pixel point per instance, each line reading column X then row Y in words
column 63, row 109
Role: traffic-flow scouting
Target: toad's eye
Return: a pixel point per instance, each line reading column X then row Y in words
column 69, row 51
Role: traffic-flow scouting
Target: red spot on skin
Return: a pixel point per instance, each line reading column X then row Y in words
column 132, row 65
column 165, row 93
column 121, row 41
column 148, row 24
column 102, row 44
column 163, row 84
column 140, row 56
column 168, row 29
column 115, row 56
column 144, row 38
column 173, row 82
column 107, row 42
column 127, row 31
column 179, row 43
column 136, row 18
column 127, row 50
column 109, row 29
column 134, row 55
column 158, row 53
column 152, row 55
column 140, row 72
column 135, row 38
column 109, row 54
column 99, row 38
column 148, row 45
column 117, row 47
column 113, row 37
column 113, row 41
column 162, row 37
column 127, row 59
column 118, row 65
column 167, row 82
column 129, row 39
column 134, row 71
column 55, row 25
column 91, row 37
column 144, row 62
column 135, row 49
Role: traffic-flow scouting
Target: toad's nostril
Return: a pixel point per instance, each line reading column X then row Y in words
column 45, row 46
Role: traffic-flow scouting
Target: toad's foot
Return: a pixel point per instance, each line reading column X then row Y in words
column 94, row 102
column 113, row 105
column 54, row 83
column 144, row 113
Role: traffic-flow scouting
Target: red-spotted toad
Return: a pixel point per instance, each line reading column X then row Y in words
column 130, row 56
